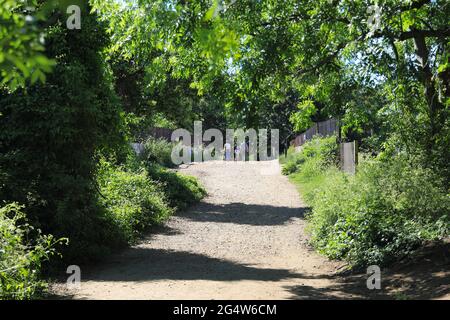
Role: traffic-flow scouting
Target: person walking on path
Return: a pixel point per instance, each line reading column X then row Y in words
column 237, row 152
column 227, row 148
column 243, row 151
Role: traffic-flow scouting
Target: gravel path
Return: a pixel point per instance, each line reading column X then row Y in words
column 244, row 241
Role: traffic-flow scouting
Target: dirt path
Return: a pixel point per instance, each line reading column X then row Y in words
column 244, row 241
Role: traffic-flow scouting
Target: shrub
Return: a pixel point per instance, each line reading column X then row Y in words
column 159, row 151
column 289, row 155
column 322, row 150
column 291, row 162
column 289, row 168
column 133, row 201
column 135, row 198
column 21, row 260
column 181, row 190
column 383, row 213
column 51, row 133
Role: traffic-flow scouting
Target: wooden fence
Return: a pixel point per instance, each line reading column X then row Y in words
column 324, row 129
column 161, row 133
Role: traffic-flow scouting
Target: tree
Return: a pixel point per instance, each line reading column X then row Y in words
column 330, row 54
column 22, row 44
column 53, row 133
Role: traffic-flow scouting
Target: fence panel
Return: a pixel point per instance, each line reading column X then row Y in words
column 161, row 133
column 324, row 128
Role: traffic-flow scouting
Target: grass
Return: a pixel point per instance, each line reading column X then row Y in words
column 307, row 186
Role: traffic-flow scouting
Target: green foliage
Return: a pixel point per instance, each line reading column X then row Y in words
column 383, row 213
column 159, row 151
column 318, row 153
column 52, row 133
column 161, row 58
column 307, row 184
column 300, row 60
column 133, row 201
column 290, row 153
column 134, row 198
column 20, row 258
column 21, row 44
column 181, row 190
column 289, row 168
column 324, row 149
column 302, row 118
column 253, row 63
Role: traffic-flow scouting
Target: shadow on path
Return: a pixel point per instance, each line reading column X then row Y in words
column 241, row 213
column 145, row 264
column 426, row 275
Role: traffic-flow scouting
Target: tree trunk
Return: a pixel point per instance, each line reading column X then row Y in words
column 431, row 94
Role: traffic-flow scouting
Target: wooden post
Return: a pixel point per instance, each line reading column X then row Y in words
column 349, row 156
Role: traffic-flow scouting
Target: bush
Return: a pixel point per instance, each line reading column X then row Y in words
column 20, row 260
column 289, row 154
column 322, row 150
column 52, row 132
column 133, row 201
column 289, row 168
column 159, row 151
column 383, row 213
column 181, row 190
column 135, row 198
